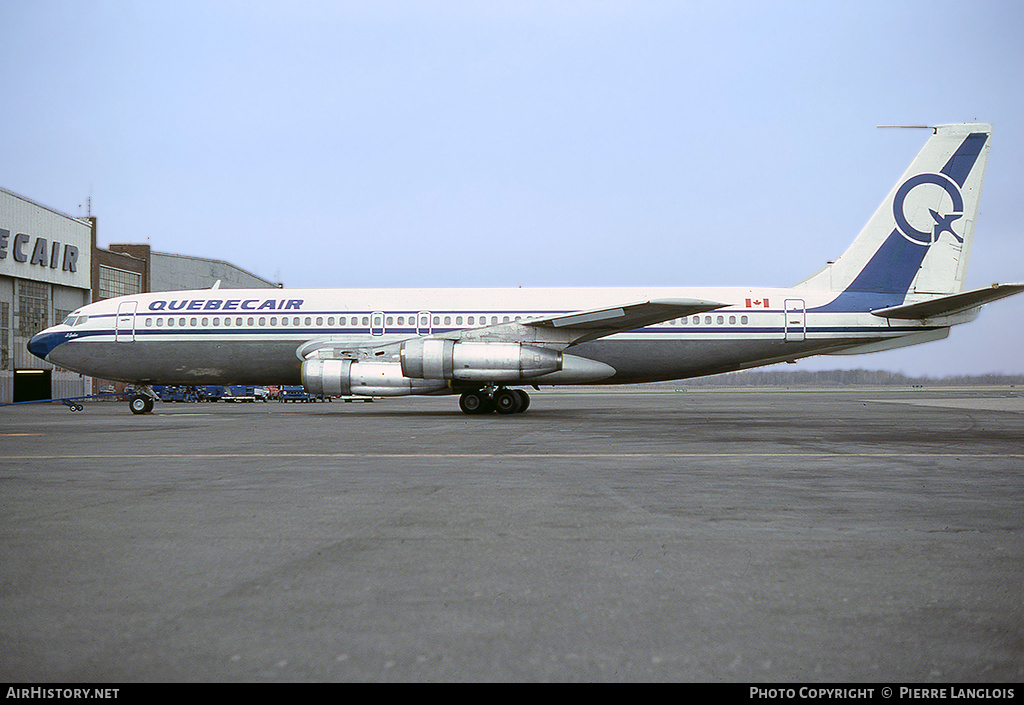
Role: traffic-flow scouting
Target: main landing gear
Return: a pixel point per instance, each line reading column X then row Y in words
column 502, row 400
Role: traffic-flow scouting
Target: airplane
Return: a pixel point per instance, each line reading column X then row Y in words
column 900, row 283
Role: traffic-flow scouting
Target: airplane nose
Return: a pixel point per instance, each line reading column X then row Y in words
column 41, row 344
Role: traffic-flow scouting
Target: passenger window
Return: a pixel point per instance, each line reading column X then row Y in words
column 721, row 320
column 194, row 322
column 732, row 320
column 238, row 321
column 743, row 320
column 216, row 321
column 206, row 322
column 707, row 320
column 320, row 320
column 263, row 322
column 447, row 320
column 389, row 321
column 342, row 321
column 366, row 320
column 170, row 322
column 401, row 320
column 159, row 322
column 227, row 321
column 494, row 320
column 149, row 322
column 471, row 320
column 437, row 320
column 458, row 320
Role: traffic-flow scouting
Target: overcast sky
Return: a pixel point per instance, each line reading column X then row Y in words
column 394, row 144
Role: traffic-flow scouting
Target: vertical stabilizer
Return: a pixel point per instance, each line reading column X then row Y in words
column 919, row 239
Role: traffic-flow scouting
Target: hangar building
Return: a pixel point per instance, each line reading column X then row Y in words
column 50, row 265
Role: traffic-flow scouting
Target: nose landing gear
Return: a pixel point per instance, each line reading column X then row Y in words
column 140, row 400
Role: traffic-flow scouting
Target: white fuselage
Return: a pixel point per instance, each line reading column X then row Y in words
column 252, row 336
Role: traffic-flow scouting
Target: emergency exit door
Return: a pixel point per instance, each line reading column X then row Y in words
column 124, row 326
column 795, row 320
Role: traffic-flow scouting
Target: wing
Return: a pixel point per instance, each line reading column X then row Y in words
column 557, row 331
column 601, row 322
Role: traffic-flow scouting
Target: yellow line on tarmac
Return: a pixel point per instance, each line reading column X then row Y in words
column 429, row 456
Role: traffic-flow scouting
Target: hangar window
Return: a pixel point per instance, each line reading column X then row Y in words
column 118, row 282
column 33, row 307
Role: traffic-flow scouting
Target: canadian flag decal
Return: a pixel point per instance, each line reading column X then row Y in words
column 757, row 302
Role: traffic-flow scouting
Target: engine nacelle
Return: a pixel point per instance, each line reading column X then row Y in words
column 433, row 359
column 362, row 378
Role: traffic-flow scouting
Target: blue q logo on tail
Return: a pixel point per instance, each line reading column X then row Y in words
column 943, row 223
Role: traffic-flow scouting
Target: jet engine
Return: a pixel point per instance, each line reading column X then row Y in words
column 432, row 359
column 363, row 378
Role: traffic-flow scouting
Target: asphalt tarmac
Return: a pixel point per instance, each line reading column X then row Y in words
column 855, row 536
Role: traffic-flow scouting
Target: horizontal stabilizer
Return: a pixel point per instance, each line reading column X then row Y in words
column 948, row 305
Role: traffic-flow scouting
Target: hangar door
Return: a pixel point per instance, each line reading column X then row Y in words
column 31, row 385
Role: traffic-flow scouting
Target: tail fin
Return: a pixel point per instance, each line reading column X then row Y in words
column 919, row 239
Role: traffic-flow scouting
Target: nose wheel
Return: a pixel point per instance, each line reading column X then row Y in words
column 140, row 403
column 502, row 400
